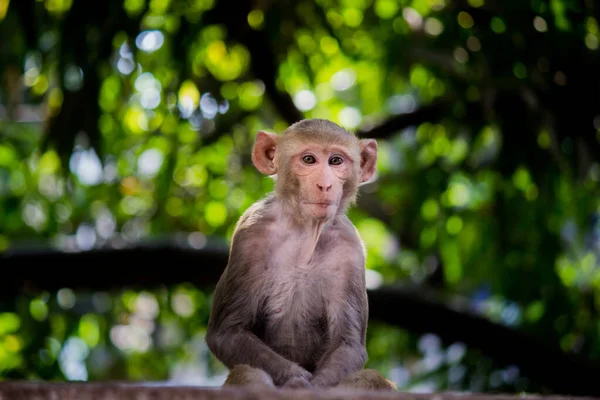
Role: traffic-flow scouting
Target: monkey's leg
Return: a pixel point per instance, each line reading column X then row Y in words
column 243, row 374
column 367, row 379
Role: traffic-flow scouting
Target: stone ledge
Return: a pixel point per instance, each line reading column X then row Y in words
column 26, row 390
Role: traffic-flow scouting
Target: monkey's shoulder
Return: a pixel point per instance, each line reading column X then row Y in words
column 343, row 224
column 252, row 230
column 258, row 214
column 341, row 241
column 343, row 232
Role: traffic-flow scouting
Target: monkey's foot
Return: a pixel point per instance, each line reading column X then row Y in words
column 367, row 379
column 243, row 374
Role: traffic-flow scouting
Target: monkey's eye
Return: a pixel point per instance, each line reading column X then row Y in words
column 336, row 160
column 308, row 159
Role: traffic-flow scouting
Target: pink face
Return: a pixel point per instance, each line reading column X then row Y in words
column 321, row 172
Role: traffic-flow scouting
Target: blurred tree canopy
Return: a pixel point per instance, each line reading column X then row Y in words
column 124, row 120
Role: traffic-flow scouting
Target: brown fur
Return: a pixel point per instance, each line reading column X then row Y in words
column 243, row 374
column 367, row 379
column 292, row 300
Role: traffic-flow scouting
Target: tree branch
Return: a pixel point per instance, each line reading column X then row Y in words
column 538, row 360
column 429, row 113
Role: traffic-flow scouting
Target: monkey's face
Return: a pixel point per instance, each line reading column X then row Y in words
column 321, row 173
column 318, row 167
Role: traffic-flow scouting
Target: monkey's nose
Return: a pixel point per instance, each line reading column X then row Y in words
column 324, row 187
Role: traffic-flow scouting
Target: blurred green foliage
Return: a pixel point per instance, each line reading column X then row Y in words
column 506, row 219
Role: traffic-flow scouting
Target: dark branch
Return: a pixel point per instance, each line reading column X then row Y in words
column 429, row 113
column 536, row 359
column 116, row 269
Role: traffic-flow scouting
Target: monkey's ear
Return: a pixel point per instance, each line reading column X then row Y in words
column 263, row 154
column 368, row 159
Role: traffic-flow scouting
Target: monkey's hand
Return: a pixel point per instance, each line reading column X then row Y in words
column 320, row 383
column 296, row 376
column 297, row 382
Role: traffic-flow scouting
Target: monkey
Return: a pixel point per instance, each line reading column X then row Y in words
column 290, row 309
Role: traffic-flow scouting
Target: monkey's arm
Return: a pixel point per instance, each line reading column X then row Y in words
column 237, row 346
column 235, row 310
column 347, row 332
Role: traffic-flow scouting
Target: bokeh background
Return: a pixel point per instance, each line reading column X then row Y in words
column 125, row 135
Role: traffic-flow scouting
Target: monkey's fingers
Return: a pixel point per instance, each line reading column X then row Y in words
column 296, row 383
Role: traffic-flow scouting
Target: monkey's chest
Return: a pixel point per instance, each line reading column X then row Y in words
column 295, row 316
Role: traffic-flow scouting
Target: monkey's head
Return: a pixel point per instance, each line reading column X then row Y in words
column 318, row 166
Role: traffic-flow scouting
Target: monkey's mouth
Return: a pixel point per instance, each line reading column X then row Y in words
column 321, row 203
